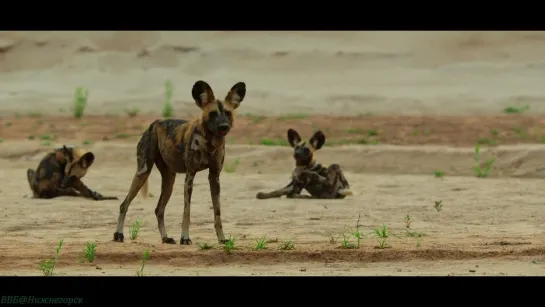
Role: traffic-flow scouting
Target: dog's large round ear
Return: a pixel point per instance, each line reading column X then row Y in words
column 317, row 140
column 293, row 137
column 236, row 94
column 87, row 159
column 202, row 93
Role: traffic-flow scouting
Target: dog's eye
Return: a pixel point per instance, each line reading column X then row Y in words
column 228, row 113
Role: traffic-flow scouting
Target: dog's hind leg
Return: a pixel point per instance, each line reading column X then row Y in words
column 167, row 184
column 338, row 182
column 146, row 152
column 137, row 183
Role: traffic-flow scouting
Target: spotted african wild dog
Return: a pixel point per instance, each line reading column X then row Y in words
column 177, row 146
column 60, row 173
column 318, row 179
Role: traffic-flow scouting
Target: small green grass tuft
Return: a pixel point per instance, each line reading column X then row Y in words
column 415, row 234
column 230, row 245
column 354, row 131
column 134, row 230
column 121, row 136
column 438, row 205
column 89, row 251
column 408, row 221
column 481, row 170
column 132, row 112
column 48, row 266
column 232, row 167
column 439, row 174
column 293, row 116
column 286, row 245
column 80, row 101
column 261, row 243
column 145, row 257
column 273, row 142
column 486, row 141
column 168, row 109
column 495, row 133
column 383, row 234
column 346, row 244
column 357, row 234
column 372, row 132
column 516, row 109
column 47, row 137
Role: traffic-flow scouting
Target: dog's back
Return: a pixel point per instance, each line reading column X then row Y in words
column 47, row 176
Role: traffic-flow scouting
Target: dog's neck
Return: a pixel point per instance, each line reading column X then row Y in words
column 214, row 141
column 311, row 166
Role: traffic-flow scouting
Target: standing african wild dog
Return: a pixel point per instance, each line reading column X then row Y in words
column 320, row 181
column 60, row 172
column 179, row 146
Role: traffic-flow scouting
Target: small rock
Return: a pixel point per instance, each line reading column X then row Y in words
column 6, row 45
column 143, row 53
column 98, row 268
column 303, row 270
column 274, row 211
column 472, row 271
column 399, row 270
column 86, row 49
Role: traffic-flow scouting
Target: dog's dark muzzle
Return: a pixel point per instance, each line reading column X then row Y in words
column 223, row 129
column 301, row 155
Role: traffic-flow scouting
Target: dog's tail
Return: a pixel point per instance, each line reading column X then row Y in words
column 144, row 191
column 345, row 192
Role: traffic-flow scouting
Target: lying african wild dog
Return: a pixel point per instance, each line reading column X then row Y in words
column 60, row 172
column 177, row 146
column 320, row 181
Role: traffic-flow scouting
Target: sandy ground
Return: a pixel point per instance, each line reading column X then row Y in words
column 327, row 72
column 437, row 94
column 482, row 221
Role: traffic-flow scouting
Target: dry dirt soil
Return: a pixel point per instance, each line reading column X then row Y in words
column 398, row 108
